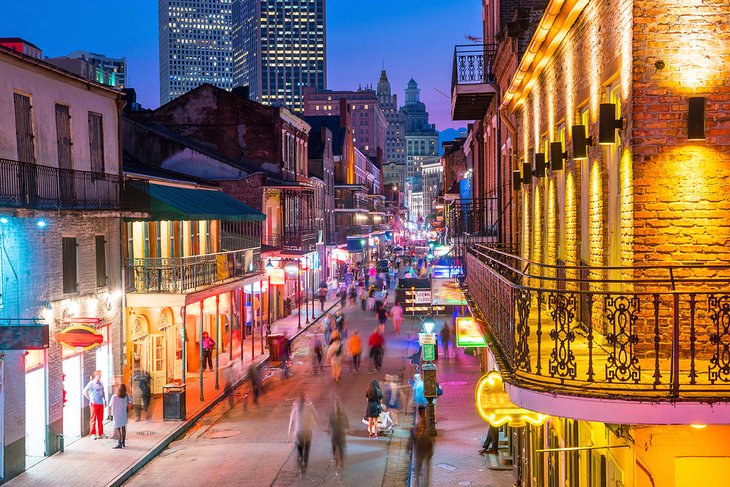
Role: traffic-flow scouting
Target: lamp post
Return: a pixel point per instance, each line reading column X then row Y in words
column 269, row 269
column 430, row 389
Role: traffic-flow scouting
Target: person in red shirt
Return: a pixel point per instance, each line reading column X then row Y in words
column 376, row 342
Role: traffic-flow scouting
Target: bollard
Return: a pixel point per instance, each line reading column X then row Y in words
column 59, row 437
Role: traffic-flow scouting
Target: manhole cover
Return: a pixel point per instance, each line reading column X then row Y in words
column 146, row 433
column 446, row 466
column 464, row 483
column 223, row 434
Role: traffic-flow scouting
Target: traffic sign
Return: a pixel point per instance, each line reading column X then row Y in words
column 429, row 352
column 422, row 297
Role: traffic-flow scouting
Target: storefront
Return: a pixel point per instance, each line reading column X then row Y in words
column 36, row 406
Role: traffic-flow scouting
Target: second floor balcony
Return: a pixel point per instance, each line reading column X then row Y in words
column 472, row 81
column 300, row 241
column 26, row 185
column 651, row 333
column 176, row 275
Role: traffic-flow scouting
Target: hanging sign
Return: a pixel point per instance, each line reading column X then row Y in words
column 23, row 336
column 496, row 408
column 468, row 333
column 277, row 277
column 80, row 336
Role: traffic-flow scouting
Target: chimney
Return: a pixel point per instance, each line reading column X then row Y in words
column 241, row 91
column 344, row 112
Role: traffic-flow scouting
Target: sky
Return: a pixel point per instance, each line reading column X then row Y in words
column 412, row 38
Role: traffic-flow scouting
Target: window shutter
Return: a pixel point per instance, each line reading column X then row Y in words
column 70, row 265
column 101, row 277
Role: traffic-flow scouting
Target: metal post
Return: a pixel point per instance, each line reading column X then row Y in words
column 200, row 341
column 217, row 337
column 261, row 316
column 268, row 308
column 184, row 339
column 253, row 327
column 299, row 289
column 675, row 348
column 241, row 318
column 231, row 300
column 306, row 293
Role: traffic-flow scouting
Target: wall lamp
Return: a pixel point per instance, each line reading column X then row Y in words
column 580, row 142
column 608, row 123
column 696, row 118
column 526, row 173
column 539, row 164
column 516, row 180
column 557, row 155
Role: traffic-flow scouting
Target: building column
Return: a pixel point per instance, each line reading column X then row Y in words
column 184, row 339
column 200, row 342
column 217, row 338
column 231, row 301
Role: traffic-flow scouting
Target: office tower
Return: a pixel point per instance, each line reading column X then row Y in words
column 279, row 48
column 195, row 46
column 395, row 141
column 96, row 67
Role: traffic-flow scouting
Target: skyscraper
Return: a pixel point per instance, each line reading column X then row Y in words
column 195, row 45
column 421, row 137
column 395, row 141
column 279, row 47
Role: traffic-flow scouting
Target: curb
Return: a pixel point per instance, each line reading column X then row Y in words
column 188, row 423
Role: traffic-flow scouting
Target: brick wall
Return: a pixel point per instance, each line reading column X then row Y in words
column 247, row 190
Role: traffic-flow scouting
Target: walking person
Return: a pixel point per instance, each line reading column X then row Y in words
column 374, row 407
column 382, row 313
column 317, row 354
column 118, row 406
column 334, row 356
column 445, row 338
column 354, row 347
column 301, row 424
column 339, row 424
column 322, row 296
column 423, row 446
column 363, row 297
column 208, row 345
column 396, row 313
column 254, row 376
column 393, row 397
column 142, row 393
column 491, row 442
column 353, row 295
column 94, row 393
column 376, row 342
column 419, row 399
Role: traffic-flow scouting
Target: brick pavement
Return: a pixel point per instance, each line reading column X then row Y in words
column 93, row 463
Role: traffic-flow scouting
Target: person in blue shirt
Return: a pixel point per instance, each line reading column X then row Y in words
column 419, row 400
column 95, row 393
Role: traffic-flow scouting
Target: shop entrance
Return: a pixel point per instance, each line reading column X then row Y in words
column 149, row 355
column 35, row 414
column 73, row 386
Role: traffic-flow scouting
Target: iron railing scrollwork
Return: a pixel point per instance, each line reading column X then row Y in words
column 473, row 64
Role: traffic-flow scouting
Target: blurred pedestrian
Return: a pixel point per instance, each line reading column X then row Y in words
column 354, row 345
column 317, row 354
column 353, row 295
column 141, row 393
column 322, row 296
column 371, row 297
column 339, row 424
column 119, row 404
column 419, row 399
column 393, row 397
column 445, row 338
column 301, row 423
column 254, row 375
column 423, row 447
column 396, row 313
column 334, row 356
column 374, row 407
column 382, row 313
column 363, row 297
column 376, row 342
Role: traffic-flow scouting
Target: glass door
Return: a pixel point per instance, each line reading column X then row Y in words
column 157, row 362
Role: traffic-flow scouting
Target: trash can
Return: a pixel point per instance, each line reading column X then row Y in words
column 173, row 402
column 275, row 341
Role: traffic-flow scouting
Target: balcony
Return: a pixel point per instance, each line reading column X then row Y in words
column 472, row 220
column 351, row 204
column 299, row 241
column 26, row 185
column 472, row 81
column 646, row 333
column 182, row 274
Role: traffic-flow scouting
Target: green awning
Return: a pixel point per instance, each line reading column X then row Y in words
column 174, row 203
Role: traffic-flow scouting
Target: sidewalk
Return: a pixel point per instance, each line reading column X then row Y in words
column 456, row 459
column 91, row 462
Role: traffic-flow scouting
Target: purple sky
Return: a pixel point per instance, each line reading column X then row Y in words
column 414, row 38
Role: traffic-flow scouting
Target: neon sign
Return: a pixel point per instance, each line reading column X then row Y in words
column 496, row 408
column 468, row 333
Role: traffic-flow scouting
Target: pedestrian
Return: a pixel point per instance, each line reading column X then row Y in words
column 94, row 392
column 343, row 295
column 301, row 423
column 393, row 397
column 254, row 375
column 374, row 407
column 334, row 356
column 371, row 297
column 141, row 393
column 423, row 446
column 327, row 328
column 208, row 345
column 445, row 338
column 382, row 314
column 322, row 297
column 376, row 342
column 353, row 295
column 118, row 406
column 491, row 442
column 363, row 297
column 317, row 354
column 396, row 313
column 339, row 424
column 419, row 399
column 354, row 345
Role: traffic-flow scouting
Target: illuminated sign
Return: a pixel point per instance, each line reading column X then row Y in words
column 468, row 333
column 496, row 408
column 80, row 336
column 277, row 277
column 429, row 352
column 23, row 336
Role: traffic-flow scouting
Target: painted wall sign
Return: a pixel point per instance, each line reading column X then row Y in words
column 468, row 333
column 80, row 336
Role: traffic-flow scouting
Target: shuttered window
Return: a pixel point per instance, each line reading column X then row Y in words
column 24, row 128
column 101, row 279
column 63, row 137
column 96, row 142
column 70, row 265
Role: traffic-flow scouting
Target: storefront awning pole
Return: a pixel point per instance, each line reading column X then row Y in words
column 200, row 342
column 217, row 338
column 184, row 339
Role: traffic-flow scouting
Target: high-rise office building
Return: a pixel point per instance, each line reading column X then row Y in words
column 279, row 48
column 421, row 137
column 195, row 46
column 395, row 140
column 96, row 67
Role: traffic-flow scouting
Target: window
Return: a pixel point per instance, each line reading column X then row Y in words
column 96, row 142
column 24, row 128
column 70, row 265
column 101, row 277
column 63, row 137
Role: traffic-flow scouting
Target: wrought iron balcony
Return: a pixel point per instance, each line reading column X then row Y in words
column 182, row 274
column 300, row 241
column 660, row 333
column 26, row 185
column 472, row 81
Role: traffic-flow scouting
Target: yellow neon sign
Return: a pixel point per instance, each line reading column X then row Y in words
column 496, row 408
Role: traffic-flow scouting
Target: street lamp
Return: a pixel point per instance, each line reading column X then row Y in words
column 428, row 325
column 430, row 389
column 269, row 269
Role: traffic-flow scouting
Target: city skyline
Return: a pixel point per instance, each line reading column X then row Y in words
column 370, row 34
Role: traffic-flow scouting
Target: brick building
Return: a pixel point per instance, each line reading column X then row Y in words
column 60, row 221
column 613, row 128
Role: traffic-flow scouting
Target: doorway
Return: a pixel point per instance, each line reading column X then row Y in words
column 35, row 415
column 72, row 408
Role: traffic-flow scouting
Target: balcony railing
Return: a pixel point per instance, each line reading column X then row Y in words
column 472, row 80
column 26, row 185
column 182, row 274
column 351, row 204
column 302, row 241
column 647, row 332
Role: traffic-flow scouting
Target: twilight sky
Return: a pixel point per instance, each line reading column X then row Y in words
column 414, row 38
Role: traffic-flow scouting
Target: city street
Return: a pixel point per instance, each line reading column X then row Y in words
column 243, row 444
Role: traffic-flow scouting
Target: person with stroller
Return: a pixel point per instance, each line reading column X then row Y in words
column 374, row 407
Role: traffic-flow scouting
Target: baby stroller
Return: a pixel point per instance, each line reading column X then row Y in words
column 385, row 424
